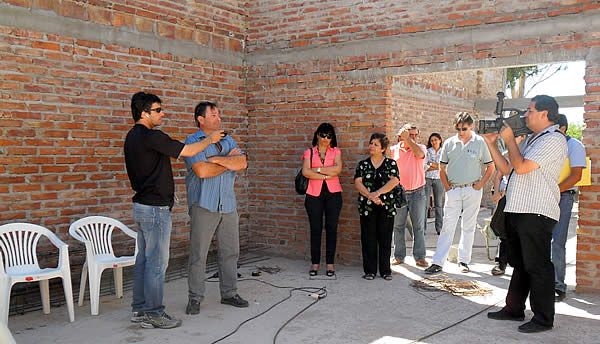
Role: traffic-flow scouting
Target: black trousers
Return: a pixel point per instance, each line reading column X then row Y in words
column 502, row 252
column 329, row 204
column 376, row 241
column 529, row 238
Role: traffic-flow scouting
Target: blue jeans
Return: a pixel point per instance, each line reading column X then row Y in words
column 438, row 202
column 416, row 207
column 153, row 237
column 559, row 240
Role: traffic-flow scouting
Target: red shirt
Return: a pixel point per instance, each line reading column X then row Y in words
column 315, row 185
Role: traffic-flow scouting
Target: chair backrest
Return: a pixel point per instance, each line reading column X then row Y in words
column 97, row 231
column 18, row 242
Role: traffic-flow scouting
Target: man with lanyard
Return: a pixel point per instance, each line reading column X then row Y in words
column 568, row 192
column 148, row 154
column 461, row 162
column 532, row 211
column 410, row 158
column 212, row 207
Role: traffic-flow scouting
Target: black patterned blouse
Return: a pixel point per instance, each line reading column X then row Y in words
column 373, row 179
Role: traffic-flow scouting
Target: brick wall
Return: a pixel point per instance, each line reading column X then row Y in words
column 306, row 62
column 274, row 24
column 218, row 24
column 65, row 107
column 290, row 46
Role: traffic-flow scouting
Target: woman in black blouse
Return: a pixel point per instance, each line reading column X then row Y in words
column 375, row 179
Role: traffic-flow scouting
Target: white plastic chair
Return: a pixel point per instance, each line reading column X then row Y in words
column 96, row 232
column 18, row 243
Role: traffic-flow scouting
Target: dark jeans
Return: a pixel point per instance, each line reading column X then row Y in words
column 329, row 204
column 528, row 240
column 376, row 241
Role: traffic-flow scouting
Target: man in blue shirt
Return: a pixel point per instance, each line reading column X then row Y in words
column 568, row 192
column 212, row 207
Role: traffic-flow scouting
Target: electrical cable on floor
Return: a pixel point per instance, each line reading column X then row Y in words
column 315, row 292
column 456, row 323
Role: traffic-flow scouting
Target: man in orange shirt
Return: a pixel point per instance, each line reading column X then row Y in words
column 410, row 157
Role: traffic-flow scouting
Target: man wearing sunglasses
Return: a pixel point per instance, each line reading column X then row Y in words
column 461, row 162
column 148, row 154
column 410, row 158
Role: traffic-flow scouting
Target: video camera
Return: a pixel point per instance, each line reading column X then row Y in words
column 516, row 121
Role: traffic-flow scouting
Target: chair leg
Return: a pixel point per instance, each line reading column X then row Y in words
column 68, row 288
column 84, row 274
column 118, row 273
column 45, row 291
column 95, row 277
column 4, row 301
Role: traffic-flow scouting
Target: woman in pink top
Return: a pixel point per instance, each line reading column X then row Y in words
column 324, row 195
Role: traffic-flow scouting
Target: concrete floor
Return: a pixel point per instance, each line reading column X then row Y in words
column 354, row 311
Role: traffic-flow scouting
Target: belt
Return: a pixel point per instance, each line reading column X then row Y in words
column 569, row 192
column 454, row 186
column 408, row 192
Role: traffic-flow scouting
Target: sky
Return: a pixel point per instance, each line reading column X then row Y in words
column 568, row 82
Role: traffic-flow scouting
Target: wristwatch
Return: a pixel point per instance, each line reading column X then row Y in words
column 318, row 170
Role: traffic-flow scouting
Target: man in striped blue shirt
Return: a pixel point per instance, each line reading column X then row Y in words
column 212, row 207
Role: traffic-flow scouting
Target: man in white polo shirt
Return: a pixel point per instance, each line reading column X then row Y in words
column 461, row 162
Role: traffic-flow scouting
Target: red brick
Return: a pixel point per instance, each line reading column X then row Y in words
column 469, row 22
column 73, row 9
column 100, row 15
column 46, row 45
column 122, row 19
column 166, row 30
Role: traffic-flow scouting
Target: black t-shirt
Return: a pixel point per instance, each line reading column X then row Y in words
column 147, row 158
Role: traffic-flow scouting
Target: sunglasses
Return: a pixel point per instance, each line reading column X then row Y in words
column 326, row 136
column 157, row 110
column 462, row 129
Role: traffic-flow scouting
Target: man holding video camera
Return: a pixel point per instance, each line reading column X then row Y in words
column 212, row 207
column 532, row 211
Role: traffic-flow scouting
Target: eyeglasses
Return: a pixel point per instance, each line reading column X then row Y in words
column 462, row 129
column 157, row 110
column 326, row 136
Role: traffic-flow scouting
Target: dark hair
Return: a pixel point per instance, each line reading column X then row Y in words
column 383, row 140
column 464, row 118
column 325, row 128
column 546, row 103
column 562, row 121
column 433, row 135
column 142, row 102
column 200, row 110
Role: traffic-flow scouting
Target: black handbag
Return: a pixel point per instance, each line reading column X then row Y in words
column 301, row 182
column 498, row 221
column 400, row 195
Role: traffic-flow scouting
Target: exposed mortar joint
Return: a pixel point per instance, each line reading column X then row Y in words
column 49, row 22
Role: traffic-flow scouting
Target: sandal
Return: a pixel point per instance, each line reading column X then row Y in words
column 330, row 273
column 387, row 277
column 313, row 272
column 369, row 277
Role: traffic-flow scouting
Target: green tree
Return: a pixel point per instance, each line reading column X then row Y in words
column 517, row 76
column 575, row 131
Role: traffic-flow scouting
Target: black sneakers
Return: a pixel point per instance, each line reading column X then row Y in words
column 433, row 269
column 193, row 307
column 560, row 295
column 499, row 269
column 235, row 301
column 464, row 268
column 532, row 327
column 505, row 315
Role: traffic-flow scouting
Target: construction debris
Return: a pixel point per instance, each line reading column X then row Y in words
column 452, row 286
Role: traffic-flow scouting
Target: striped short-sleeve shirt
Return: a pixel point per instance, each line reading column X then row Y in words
column 537, row 192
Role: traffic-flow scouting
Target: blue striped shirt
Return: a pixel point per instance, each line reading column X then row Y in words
column 216, row 193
